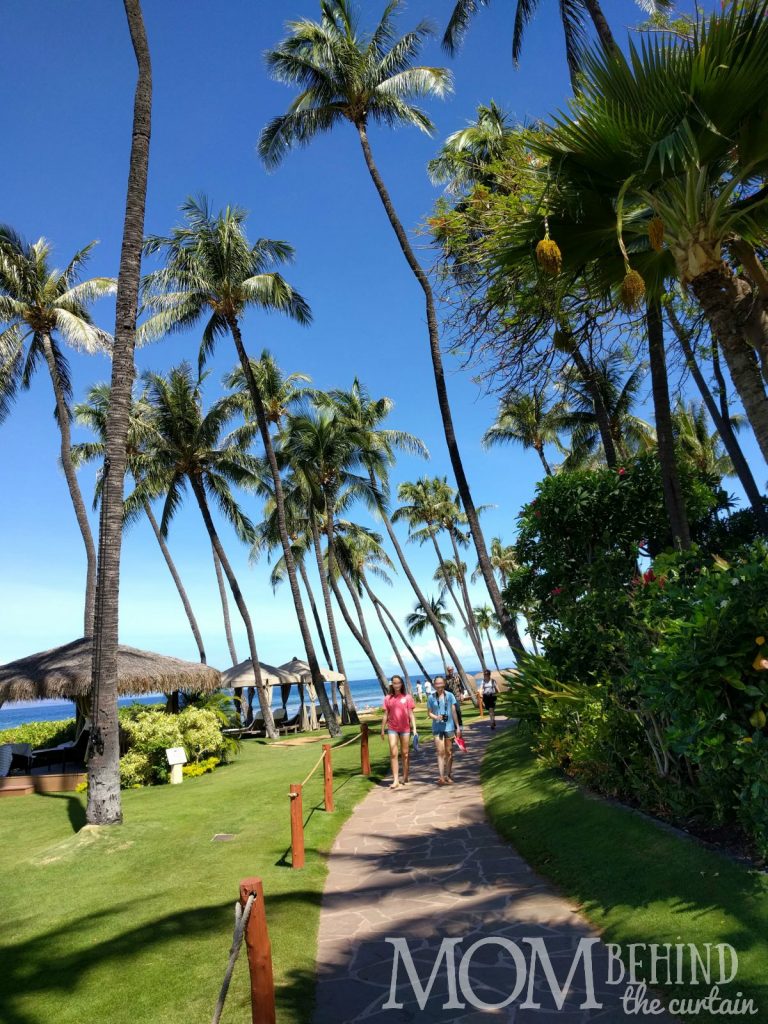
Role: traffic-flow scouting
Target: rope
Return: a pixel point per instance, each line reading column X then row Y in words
column 346, row 743
column 320, row 760
column 241, row 920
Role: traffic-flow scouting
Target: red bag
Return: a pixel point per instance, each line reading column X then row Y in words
column 461, row 744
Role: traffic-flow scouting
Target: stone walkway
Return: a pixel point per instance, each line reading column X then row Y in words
column 423, row 864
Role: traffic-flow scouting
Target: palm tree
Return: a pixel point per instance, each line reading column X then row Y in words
column 701, row 446
column 619, row 392
column 39, row 308
column 345, row 75
column 212, row 271
column 187, row 448
column 418, row 623
column 572, row 15
column 465, row 155
column 104, row 806
column 324, row 451
column 486, row 621
column 379, row 445
column 669, row 160
column 529, row 421
column 92, row 413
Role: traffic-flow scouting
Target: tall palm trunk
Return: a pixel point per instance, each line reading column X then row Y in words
column 388, row 635
column 261, row 690
column 442, row 654
column 539, row 449
column 104, row 806
column 674, row 498
column 359, row 634
column 467, row 603
column 238, row 690
column 326, row 592
column 177, row 580
column 587, row 373
column 316, row 616
column 505, row 620
column 76, row 497
column 721, row 296
column 225, row 608
column 403, row 638
column 493, row 651
column 433, row 619
column 722, row 421
column 449, row 587
column 602, row 27
column 285, row 540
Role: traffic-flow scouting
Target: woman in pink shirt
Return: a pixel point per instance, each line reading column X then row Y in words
column 397, row 725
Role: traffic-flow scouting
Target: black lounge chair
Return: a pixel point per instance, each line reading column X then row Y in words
column 71, row 753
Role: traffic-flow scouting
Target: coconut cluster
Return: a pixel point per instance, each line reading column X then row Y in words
column 549, row 257
column 632, row 290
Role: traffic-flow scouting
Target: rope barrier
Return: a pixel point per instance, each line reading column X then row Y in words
column 346, row 743
column 241, row 920
column 316, row 766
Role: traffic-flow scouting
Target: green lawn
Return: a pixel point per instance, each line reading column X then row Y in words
column 634, row 880
column 132, row 924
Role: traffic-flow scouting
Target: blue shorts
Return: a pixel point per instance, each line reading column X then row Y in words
column 394, row 732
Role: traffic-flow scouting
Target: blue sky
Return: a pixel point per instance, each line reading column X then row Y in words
column 68, row 84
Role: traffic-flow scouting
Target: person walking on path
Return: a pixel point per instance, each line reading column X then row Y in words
column 420, row 691
column 454, row 685
column 488, row 692
column 442, row 708
column 428, row 687
column 397, row 724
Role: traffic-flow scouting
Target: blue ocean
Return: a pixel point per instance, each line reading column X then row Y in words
column 366, row 692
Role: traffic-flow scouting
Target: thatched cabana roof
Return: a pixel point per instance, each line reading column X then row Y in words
column 242, row 675
column 301, row 669
column 66, row 672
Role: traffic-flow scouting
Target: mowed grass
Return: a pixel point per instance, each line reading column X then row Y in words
column 133, row 923
column 636, row 881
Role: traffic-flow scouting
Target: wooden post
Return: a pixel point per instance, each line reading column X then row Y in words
column 480, row 702
column 328, row 776
column 259, row 954
column 365, row 757
column 297, row 827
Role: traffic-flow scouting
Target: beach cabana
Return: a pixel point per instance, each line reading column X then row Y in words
column 66, row 672
column 303, row 673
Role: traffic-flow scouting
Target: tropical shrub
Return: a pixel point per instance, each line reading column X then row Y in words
column 40, row 734
column 136, row 770
column 151, row 732
column 197, row 768
column 200, row 733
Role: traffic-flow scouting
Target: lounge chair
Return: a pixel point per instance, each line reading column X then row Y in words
column 256, row 727
column 71, row 753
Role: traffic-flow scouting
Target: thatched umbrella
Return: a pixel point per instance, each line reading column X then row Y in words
column 241, row 675
column 66, row 672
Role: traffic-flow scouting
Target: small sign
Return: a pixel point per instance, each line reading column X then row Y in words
column 176, row 755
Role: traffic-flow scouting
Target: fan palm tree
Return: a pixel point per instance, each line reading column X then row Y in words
column 379, row 445
column 346, row 75
column 527, row 420
column 188, row 448
column 281, row 393
column 104, row 807
column 418, row 623
column 668, row 159
column 92, row 413
column 41, row 307
column 211, row 271
column 486, row 621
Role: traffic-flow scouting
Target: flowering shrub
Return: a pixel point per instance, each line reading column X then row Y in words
column 136, row 770
column 197, row 768
column 150, row 732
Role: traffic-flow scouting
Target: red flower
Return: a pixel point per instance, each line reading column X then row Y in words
column 648, row 576
column 556, row 591
column 622, row 471
column 537, row 514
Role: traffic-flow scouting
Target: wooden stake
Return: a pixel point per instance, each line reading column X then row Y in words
column 365, row 757
column 259, row 954
column 297, row 827
column 480, row 702
column 328, row 777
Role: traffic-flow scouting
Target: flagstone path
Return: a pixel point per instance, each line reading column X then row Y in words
column 423, row 864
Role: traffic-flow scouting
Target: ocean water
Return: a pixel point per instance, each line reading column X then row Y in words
column 366, row 692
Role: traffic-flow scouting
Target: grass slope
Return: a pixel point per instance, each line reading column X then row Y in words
column 636, row 881
column 133, row 924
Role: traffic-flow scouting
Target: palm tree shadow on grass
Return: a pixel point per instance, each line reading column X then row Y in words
column 75, row 808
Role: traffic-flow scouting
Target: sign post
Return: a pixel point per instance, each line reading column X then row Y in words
column 177, row 756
